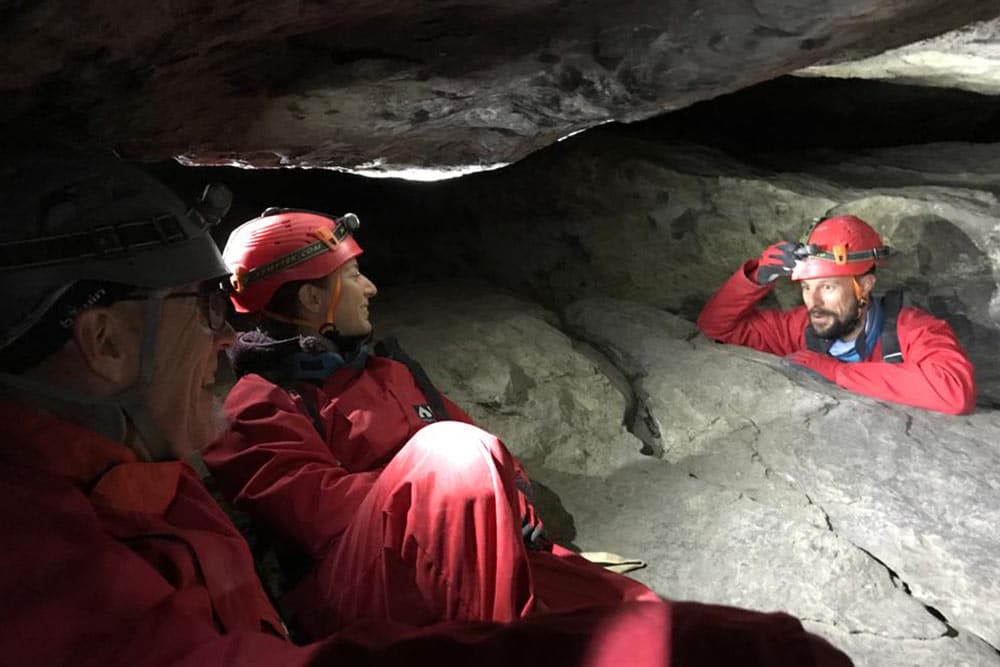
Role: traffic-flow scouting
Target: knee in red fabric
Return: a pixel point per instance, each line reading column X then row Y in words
column 466, row 455
column 450, row 529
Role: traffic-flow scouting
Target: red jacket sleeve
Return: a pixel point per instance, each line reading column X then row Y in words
column 935, row 373
column 273, row 463
column 732, row 316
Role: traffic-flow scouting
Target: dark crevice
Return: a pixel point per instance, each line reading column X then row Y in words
column 826, row 517
column 950, row 630
column 791, row 113
column 637, row 419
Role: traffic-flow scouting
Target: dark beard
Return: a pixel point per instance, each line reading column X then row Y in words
column 839, row 327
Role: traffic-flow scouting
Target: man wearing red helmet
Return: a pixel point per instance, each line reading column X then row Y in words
column 871, row 346
column 400, row 507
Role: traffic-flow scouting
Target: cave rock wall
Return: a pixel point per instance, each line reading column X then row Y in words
column 379, row 85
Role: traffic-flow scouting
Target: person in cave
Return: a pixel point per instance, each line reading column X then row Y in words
column 401, row 506
column 114, row 552
column 875, row 347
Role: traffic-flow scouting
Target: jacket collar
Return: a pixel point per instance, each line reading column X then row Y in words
column 105, row 470
column 289, row 360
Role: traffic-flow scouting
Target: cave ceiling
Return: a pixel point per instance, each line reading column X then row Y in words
column 388, row 85
column 965, row 59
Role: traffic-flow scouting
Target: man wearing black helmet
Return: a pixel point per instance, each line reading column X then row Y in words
column 114, row 553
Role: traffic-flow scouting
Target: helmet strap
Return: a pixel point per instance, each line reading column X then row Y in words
column 328, row 327
column 858, row 293
column 133, row 399
column 324, row 326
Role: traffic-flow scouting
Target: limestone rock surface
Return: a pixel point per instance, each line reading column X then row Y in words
column 966, row 58
column 665, row 224
column 385, row 85
column 916, row 490
column 773, row 490
column 508, row 365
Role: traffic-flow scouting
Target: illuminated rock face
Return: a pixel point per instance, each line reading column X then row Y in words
column 771, row 490
column 379, row 84
column 663, row 223
column 967, row 58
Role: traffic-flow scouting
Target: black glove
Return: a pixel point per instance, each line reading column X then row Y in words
column 532, row 531
column 531, row 525
column 775, row 262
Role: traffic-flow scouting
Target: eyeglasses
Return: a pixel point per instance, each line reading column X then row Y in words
column 213, row 301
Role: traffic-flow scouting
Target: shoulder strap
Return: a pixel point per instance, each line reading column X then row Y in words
column 892, row 302
column 389, row 347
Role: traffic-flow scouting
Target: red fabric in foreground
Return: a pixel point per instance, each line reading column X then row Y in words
column 111, row 562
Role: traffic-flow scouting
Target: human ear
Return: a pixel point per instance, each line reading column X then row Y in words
column 107, row 345
column 310, row 298
column 867, row 284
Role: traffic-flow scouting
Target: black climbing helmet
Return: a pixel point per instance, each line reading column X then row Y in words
column 69, row 216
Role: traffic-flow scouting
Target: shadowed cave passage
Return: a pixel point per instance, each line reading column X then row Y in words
column 765, row 488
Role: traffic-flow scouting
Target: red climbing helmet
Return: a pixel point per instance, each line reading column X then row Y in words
column 284, row 245
column 841, row 246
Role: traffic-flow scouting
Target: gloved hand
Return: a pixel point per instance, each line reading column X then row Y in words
column 531, row 525
column 777, row 261
column 532, row 531
column 823, row 364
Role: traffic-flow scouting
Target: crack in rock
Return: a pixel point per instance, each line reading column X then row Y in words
column 826, row 517
column 867, row 633
column 638, row 413
column 898, row 581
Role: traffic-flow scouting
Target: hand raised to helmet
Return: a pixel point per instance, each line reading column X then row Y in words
column 777, row 261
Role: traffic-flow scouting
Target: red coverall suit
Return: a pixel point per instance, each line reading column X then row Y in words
column 110, row 561
column 935, row 373
column 107, row 561
column 414, row 524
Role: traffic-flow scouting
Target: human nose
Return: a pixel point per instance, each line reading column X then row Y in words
column 370, row 289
